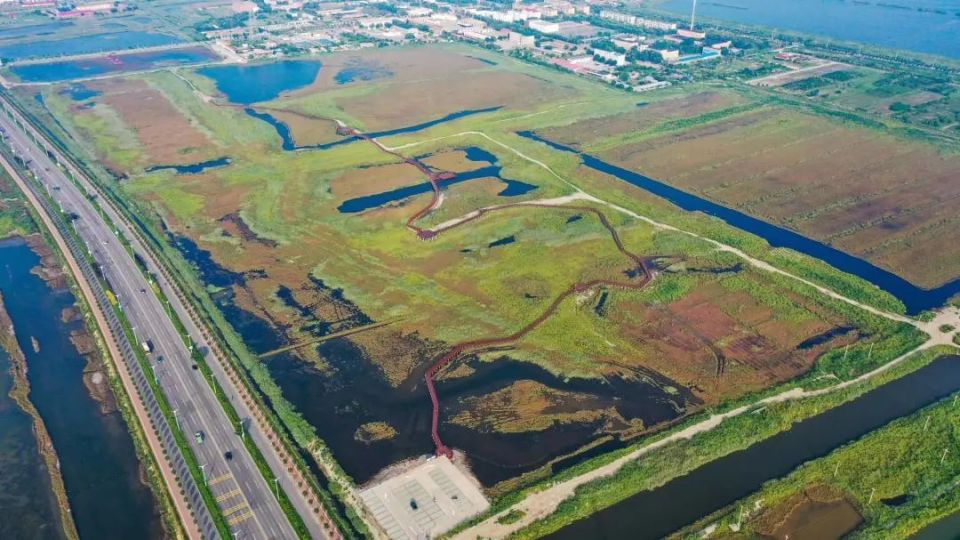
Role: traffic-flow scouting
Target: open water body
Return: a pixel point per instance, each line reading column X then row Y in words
column 93, row 67
column 193, row 168
column 925, row 26
column 97, row 457
column 114, row 41
column 247, row 84
column 35, row 30
column 915, row 299
column 656, row 513
column 28, row 508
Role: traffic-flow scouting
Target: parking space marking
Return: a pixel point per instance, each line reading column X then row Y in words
column 228, row 495
column 240, row 518
column 219, row 479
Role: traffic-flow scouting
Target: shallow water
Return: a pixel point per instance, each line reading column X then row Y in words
column 92, row 67
column 115, row 41
column 926, row 26
column 97, row 457
column 28, row 508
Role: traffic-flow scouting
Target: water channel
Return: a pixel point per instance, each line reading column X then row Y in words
column 97, row 457
column 656, row 513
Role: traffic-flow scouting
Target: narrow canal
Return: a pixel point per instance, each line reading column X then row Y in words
column 656, row 513
column 97, row 457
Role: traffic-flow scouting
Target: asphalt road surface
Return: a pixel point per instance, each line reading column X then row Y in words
column 247, row 500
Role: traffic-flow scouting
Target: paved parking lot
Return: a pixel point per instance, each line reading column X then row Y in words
column 425, row 501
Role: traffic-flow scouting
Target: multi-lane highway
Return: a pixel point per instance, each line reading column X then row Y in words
column 247, row 500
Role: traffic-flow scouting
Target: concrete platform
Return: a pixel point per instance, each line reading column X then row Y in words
column 425, row 501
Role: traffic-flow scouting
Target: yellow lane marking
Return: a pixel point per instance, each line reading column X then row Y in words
column 240, row 518
column 219, row 479
column 228, row 495
column 236, row 508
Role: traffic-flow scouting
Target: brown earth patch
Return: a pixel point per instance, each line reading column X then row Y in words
column 583, row 132
column 394, row 65
column 816, row 513
column 424, row 100
column 527, row 405
column 722, row 343
column 890, row 201
column 167, row 137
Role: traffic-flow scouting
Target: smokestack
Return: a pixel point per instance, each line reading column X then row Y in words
column 693, row 14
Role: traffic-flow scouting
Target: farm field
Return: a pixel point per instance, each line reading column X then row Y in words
column 293, row 245
column 885, row 199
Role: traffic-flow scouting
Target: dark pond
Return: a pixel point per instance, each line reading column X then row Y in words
column 914, row 298
column 78, row 92
column 193, row 168
column 484, row 60
column 513, row 188
column 86, row 44
column 654, row 514
column 92, row 67
column 28, row 508
column 503, row 241
column 97, row 457
column 926, row 26
column 361, row 71
column 246, row 84
column 338, row 405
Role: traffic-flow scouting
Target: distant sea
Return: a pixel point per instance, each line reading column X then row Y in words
column 924, row 26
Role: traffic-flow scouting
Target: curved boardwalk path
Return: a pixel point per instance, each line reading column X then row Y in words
column 642, row 265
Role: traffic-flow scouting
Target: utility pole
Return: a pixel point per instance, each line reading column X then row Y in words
column 276, row 487
column 203, row 473
column 872, row 491
column 926, row 424
column 176, row 419
column 944, row 456
column 836, row 470
column 693, row 14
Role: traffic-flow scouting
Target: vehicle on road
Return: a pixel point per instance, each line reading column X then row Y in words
column 147, row 346
column 228, row 455
column 199, row 437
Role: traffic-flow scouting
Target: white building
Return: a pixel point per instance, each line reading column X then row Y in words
column 544, row 27
column 619, row 58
